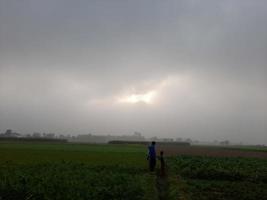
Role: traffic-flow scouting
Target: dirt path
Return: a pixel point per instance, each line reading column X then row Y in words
column 162, row 186
column 169, row 185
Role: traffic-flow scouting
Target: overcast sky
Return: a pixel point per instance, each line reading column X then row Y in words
column 173, row 68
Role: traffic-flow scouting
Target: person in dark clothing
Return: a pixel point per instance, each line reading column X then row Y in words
column 152, row 156
column 162, row 164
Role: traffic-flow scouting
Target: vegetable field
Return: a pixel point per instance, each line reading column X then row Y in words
column 67, row 171
column 211, row 178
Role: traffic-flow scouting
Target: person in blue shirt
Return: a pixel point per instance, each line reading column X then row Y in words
column 152, row 156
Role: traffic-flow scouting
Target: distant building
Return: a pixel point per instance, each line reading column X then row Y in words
column 90, row 138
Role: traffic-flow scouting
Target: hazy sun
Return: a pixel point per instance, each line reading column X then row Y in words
column 139, row 98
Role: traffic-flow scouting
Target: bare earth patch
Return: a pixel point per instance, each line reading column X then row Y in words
column 209, row 151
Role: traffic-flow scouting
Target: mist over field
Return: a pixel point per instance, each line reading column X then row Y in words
column 185, row 68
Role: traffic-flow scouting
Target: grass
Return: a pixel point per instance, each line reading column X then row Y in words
column 37, row 170
column 74, row 171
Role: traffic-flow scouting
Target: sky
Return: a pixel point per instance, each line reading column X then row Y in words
column 174, row 68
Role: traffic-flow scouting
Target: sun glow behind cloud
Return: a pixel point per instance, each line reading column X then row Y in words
column 147, row 98
column 154, row 94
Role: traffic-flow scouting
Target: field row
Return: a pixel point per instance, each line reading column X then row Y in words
column 210, row 178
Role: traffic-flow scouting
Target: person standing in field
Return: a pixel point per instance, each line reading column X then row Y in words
column 152, row 156
column 162, row 164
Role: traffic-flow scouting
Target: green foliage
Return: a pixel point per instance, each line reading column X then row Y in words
column 78, row 171
column 228, row 190
column 69, row 180
column 210, row 178
column 235, row 169
column 62, row 171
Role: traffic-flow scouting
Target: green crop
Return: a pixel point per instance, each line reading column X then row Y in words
column 43, row 171
column 65, row 171
column 212, row 178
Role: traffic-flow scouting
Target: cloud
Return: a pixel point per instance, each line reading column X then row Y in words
column 205, row 61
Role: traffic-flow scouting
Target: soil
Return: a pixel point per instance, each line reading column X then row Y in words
column 209, row 151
